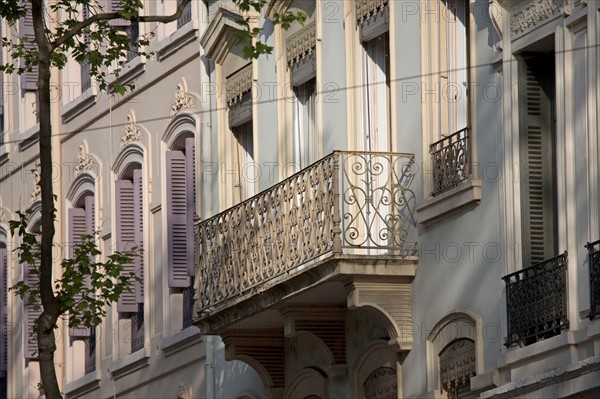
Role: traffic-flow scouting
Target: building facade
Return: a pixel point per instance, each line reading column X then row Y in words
column 400, row 201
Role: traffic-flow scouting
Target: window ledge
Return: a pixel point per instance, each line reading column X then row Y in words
column 435, row 209
column 129, row 364
column 129, row 71
column 29, row 137
column 180, row 340
column 519, row 354
column 83, row 385
column 79, row 104
column 182, row 36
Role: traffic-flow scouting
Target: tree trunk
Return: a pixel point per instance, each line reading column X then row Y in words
column 50, row 305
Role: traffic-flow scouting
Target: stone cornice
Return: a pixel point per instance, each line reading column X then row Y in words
column 238, row 84
column 220, row 33
column 301, row 43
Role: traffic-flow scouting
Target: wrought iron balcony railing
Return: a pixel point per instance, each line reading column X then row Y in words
column 90, row 352
column 137, row 329
column 348, row 203
column 450, row 158
column 536, row 301
column 594, row 263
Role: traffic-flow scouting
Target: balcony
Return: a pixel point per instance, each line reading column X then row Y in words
column 451, row 160
column 594, row 264
column 536, row 301
column 345, row 218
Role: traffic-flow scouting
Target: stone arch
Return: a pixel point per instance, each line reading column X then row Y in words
column 376, row 360
column 307, row 383
column 182, row 124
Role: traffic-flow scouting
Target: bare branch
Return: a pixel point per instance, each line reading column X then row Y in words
column 107, row 16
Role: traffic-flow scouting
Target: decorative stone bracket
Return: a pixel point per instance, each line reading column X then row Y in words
column 393, row 305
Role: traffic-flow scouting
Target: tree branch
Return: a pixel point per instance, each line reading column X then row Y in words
column 108, row 16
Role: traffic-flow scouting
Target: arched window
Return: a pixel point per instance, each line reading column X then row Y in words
column 457, row 366
column 129, row 234
column 180, row 210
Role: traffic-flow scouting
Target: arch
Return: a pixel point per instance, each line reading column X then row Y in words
column 458, row 324
column 376, row 356
column 308, row 382
column 35, row 217
column 321, row 348
column 262, row 372
column 132, row 153
column 181, row 124
column 83, row 183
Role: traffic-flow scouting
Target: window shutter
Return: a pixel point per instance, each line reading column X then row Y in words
column 30, row 314
column 138, row 210
column 116, row 6
column 538, row 182
column 3, row 313
column 177, row 207
column 125, row 236
column 28, row 79
column 77, row 229
column 190, row 157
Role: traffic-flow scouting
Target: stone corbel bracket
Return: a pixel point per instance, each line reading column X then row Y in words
column 391, row 303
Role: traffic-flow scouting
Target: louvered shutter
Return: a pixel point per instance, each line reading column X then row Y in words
column 125, row 236
column 3, row 310
column 138, row 210
column 190, row 158
column 116, row 6
column 29, row 313
column 77, row 220
column 177, row 194
column 28, row 79
column 538, row 183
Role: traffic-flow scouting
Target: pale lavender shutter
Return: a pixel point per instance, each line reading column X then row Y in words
column 138, row 210
column 77, row 229
column 177, row 193
column 190, row 158
column 30, row 314
column 116, row 6
column 125, row 237
column 3, row 312
column 28, row 79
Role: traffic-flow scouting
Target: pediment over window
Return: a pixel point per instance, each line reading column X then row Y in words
column 219, row 36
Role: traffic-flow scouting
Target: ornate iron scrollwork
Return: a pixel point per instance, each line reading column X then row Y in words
column 450, row 159
column 594, row 263
column 536, row 301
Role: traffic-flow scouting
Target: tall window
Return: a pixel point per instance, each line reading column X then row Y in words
column 538, row 137
column 81, row 222
column 453, row 65
column 30, row 311
column 306, row 148
column 129, row 206
column 131, row 29
column 186, row 16
column 181, row 206
column 376, row 93
column 244, row 160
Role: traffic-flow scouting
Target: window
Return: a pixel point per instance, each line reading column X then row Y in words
column 537, row 144
column 181, row 207
column 186, row 16
column 244, row 160
column 86, row 80
column 30, row 311
column 306, row 148
column 453, row 65
column 457, row 366
column 376, row 93
column 131, row 29
column 129, row 234
column 81, row 222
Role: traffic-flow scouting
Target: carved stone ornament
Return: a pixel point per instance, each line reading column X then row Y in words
column 366, row 8
column 183, row 392
column 132, row 132
column 37, row 189
column 529, row 15
column 239, row 84
column 183, row 100
column 84, row 161
column 2, row 213
column 301, row 43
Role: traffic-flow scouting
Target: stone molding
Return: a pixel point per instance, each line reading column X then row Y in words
column 525, row 17
column 301, row 43
column 238, row 84
column 132, row 132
